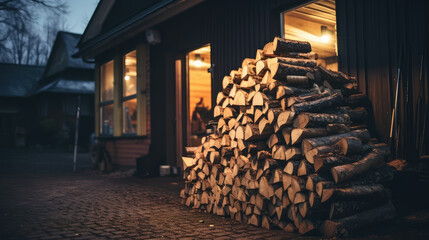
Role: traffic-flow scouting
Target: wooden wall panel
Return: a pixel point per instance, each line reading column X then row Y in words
column 371, row 35
column 125, row 151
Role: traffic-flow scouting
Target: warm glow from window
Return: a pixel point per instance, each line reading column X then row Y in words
column 200, row 92
column 106, row 77
column 130, row 74
column 315, row 23
column 325, row 38
column 106, row 97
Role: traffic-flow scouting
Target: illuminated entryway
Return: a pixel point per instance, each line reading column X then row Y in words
column 199, row 93
column 316, row 23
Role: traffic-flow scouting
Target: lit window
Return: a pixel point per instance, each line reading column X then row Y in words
column 129, row 105
column 315, row 23
column 123, row 95
column 106, row 98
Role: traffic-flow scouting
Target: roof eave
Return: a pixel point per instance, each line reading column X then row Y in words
column 156, row 14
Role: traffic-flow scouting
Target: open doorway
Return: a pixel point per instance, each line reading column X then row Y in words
column 316, row 23
column 199, row 94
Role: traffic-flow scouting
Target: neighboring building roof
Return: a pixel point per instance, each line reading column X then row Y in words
column 113, row 21
column 61, row 54
column 18, row 80
column 61, row 85
column 63, row 73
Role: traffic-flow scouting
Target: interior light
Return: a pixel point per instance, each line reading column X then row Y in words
column 198, row 60
column 325, row 38
column 127, row 77
column 325, row 34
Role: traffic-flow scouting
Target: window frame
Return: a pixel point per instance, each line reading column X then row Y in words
column 293, row 7
column 99, row 103
column 141, row 95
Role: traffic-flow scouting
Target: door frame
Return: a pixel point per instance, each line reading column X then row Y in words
column 183, row 122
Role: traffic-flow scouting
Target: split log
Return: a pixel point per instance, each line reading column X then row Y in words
column 283, row 91
column 308, row 226
column 304, row 120
column 348, row 208
column 261, row 67
column 265, row 189
column 188, row 162
column 272, row 114
column 286, row 133
column 336, row 79
column 341, row 227
column 279, row 153
column 292, row 61
column 319, row 104
column 363, row 192
column 292, row 167
column 346, row 172
column 280, row 71
column 323, row 163
column 352, row 146
column 337, row 128
column 324, row 190
column 310, row 143
column 312, row 181
column 317, row 151
column 281, row 45
column 357, row 115
column 293, row 153
column 285, row 118
column 305, row 168
column 248, row 70
column 304, row 98
column 298, row 134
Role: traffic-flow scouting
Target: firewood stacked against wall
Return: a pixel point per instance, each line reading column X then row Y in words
column 291, row 148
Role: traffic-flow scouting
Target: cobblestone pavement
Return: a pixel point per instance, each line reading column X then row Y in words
column 41, row 199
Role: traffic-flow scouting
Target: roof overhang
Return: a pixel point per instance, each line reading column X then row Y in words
column 161, row 11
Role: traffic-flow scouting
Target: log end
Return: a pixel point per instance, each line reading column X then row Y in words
column 330, row 229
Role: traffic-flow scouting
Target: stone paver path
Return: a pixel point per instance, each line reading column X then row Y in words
column 41, row 199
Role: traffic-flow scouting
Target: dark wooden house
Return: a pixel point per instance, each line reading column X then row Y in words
column 16, row 81
column 55, row 97
column 159, row 64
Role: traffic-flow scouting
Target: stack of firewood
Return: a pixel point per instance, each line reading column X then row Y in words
column 291, row 148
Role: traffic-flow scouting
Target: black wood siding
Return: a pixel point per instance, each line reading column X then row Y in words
column 370, row 36
column 234, row 29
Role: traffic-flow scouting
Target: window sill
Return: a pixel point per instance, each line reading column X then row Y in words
column 112, row 138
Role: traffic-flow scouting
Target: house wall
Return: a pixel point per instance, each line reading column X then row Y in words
column 370, row 36
column 234, row 30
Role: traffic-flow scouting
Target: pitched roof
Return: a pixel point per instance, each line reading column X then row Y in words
column 63, row 85
column 63, row 73
column 61, row 58
column 17, row 80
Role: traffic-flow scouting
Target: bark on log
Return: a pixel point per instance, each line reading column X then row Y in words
column 292, row 61
column 284, row 91
column 336, row 79
column 352, row 146
column 310, row 143
column 319, row 104
column 348, row 208
column 319, row 119
column 310, row 97
column 282, row 46
column 280, row 71
column 341, row 227
column 346, row 172
column 298, row 134
column 323, row 163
